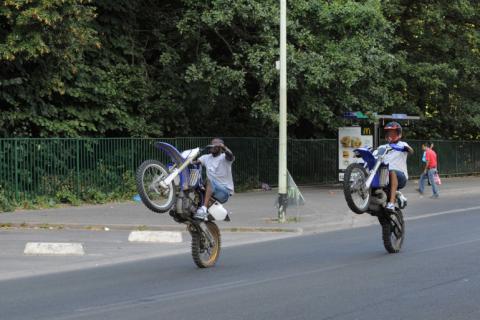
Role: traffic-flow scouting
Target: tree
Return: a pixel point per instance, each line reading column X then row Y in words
column 203, row 68
column 41, row 45
column 438, row 43
column 338, row 61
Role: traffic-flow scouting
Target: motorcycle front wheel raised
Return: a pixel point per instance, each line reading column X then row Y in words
column 152, row 194
column 357, row 196
column 204, row 252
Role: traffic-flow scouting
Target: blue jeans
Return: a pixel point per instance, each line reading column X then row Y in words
column 430, row 173
column 402, row 180
column 219, row 192
column 421, row 181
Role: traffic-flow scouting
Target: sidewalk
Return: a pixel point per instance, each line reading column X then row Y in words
column 325, row 210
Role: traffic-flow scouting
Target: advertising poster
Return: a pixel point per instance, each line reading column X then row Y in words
column 350, row 138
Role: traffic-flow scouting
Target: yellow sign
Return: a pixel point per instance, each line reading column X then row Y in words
column 366, row 131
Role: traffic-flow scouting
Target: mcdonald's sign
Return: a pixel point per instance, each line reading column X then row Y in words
column 367, row 131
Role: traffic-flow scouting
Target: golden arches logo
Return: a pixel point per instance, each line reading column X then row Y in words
column 366, row 131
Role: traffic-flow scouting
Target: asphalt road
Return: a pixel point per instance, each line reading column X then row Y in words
column 101, row 249
column 338, row 275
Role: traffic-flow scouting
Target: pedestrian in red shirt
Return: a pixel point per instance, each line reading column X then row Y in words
column 430, row 170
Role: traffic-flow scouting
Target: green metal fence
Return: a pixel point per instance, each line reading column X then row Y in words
column 44, row 167
column 454, row 157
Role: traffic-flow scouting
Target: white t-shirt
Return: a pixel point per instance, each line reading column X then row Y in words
column 397, row 160
column 218, row 169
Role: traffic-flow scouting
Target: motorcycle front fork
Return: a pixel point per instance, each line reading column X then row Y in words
column 201, row 227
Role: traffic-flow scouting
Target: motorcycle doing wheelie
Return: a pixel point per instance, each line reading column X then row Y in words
column 366, row 189
column 179, row 190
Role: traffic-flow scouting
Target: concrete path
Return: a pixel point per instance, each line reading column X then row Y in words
column 325, row 210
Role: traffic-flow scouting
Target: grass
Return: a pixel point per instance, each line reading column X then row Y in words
column 5, row 225
column 61, row 199
column 50, row 226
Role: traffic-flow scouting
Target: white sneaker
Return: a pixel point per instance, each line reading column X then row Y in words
column 201, row 213
column 402, row 200
column 390, row 207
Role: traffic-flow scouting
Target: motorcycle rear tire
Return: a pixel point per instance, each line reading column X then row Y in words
column 347, row 189
column 393, row 232
column 203, row 254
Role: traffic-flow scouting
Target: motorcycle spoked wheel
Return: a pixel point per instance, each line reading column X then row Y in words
column 153, row 196
column 393, row 230
column 204, row 254
column 357, row 197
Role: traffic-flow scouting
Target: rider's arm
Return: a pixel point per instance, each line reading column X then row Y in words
column 199, row 160
column 402, row 147
column 409, row 149
column 228, row 153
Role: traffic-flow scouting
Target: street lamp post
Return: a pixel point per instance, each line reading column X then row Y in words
column 282, row 150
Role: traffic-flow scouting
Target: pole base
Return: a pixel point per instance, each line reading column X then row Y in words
column 282, row 207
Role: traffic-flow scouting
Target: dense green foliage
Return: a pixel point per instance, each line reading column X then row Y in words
column 197, row 68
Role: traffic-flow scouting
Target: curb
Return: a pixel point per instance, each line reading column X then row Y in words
column 54, row 248
column 155, row 237
column 121, row 227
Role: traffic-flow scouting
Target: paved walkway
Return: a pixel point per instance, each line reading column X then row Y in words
column 325, row 210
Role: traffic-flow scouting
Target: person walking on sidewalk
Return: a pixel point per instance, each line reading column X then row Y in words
column 430, row 170
column 423, row 176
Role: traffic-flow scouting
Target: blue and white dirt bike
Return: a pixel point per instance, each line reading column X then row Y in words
column 179, row 189
column 366, row 189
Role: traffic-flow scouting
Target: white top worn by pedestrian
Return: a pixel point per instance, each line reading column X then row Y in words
column 218, row 169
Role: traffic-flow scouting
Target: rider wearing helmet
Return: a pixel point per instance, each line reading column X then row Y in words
column 396, row 160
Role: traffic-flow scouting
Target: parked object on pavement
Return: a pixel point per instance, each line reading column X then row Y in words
column 266, row 187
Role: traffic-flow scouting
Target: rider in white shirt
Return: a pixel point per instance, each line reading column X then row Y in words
column 219, row 173
column 396, row 160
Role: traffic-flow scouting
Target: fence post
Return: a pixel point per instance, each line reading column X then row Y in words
column 15, row 145
column 78, row 165
column 456, row 158
column 258, row 161
column 132, row 154
column 472, row 154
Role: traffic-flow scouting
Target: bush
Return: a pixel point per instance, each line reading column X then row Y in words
column 65, row 195
column 6, row 202
column 92, row 195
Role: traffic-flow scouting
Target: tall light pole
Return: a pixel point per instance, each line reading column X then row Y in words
column 282, row 150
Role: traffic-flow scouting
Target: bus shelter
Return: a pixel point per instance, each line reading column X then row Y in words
column 363, row 130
